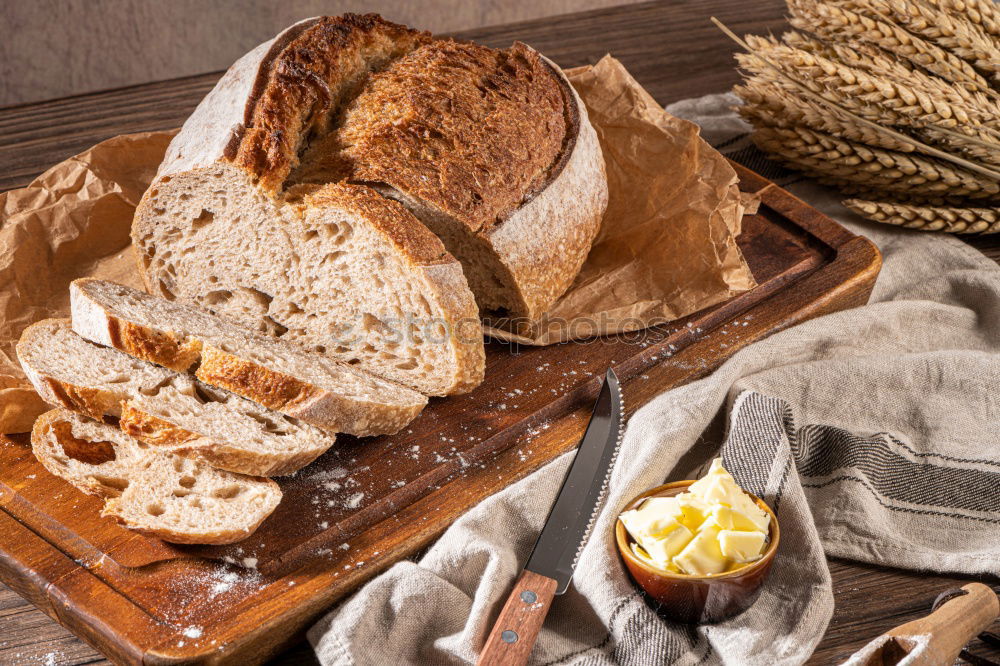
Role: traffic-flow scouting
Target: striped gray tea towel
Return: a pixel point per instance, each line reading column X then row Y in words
column 873, row 432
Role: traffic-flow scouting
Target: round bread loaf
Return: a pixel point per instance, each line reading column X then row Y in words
column 357, row 187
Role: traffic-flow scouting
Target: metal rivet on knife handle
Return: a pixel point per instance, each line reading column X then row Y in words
column 516, row 628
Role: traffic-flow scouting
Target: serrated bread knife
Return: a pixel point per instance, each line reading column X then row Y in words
column 550, row 566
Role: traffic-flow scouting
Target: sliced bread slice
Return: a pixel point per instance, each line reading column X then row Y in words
column 277, row 374
column 148, row 490
column 164, row 408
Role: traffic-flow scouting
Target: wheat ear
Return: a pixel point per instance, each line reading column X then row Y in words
column 962, row 145
column 840, row 24
column 769, row 104
column 855, row 191
column 929, row 218
column 983, row 13
column 879, row 62
column 876, row 98
column 830, row 157
column 961, row 37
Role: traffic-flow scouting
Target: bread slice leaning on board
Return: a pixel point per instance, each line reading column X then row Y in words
column 163, row 408
column 297, row 197
column 281, row 376
column 150, row 490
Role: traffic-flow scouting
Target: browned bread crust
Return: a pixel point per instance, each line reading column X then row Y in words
column 273, row 389
column 158, row 347
column 471, row 130
column 152, row 430
column 91, row 452
column 305, row 76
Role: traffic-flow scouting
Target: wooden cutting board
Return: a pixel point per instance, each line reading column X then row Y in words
column 372, row 502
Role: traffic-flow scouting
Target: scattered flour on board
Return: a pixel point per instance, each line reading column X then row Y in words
column 328, row 474
column 193, row 631
column 246, row 562
column 224, row 583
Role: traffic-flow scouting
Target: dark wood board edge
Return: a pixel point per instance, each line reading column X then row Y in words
column 28, row 564
column 57, row 584
column 791, row 207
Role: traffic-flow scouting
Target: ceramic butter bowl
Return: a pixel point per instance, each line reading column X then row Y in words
column 698, row 599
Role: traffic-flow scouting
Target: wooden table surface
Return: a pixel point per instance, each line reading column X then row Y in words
column 670, row 47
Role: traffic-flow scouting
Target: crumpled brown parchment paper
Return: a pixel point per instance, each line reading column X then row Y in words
column 666, row 249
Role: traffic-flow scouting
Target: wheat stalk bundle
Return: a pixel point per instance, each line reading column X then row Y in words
column 895, row 102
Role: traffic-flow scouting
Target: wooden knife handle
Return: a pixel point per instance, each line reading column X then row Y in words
column 521, row 619
column 952, row 625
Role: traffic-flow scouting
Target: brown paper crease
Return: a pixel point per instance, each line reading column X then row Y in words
column 666, row 249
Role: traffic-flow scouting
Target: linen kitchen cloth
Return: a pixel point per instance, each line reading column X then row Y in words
column 872, row 432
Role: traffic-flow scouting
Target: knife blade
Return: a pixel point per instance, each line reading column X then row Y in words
column 550, row 566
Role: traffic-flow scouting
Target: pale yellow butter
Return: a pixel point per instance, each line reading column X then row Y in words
column 741, row 546
column 666, row 544
column 711, row 528
column 703, row 555
column 730, row 519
